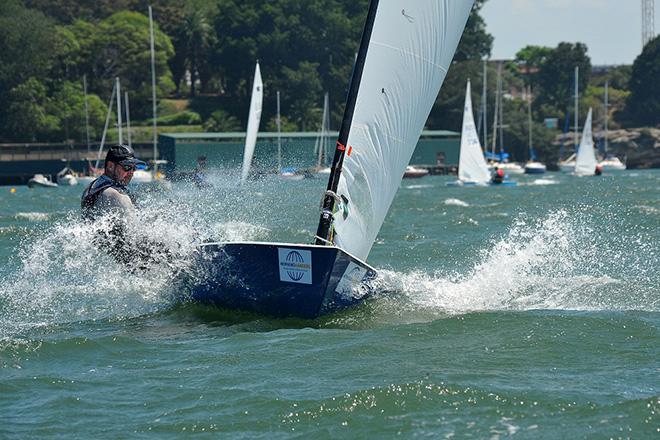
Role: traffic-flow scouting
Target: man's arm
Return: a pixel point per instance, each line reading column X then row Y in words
column 112, row 200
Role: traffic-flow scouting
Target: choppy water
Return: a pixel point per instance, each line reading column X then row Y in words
column 530, row 312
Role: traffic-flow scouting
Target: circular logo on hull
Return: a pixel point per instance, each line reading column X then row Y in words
column 295, row 257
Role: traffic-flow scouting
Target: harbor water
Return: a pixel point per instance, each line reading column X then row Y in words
column 526, row 312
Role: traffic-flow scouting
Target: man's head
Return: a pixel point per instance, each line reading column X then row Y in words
column 120, row 163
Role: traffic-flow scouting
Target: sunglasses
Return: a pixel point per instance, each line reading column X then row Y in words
column 128, row 167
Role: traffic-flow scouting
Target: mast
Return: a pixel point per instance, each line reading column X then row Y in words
column 501, row 123
column 128, row 119
column 577, row 73
column 324, row 130
column 529, row 121
column 279, row 136
column 119, row 111
column 484, row 104
column 607, row 113
column 326, row 127
column 497, row 108
column 105, row 127
column 153, row 86
column 323, row 232
column 86, row 112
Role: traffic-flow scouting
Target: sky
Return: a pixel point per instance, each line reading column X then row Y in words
column 611, row 29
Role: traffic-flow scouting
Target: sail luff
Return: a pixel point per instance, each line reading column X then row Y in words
column 253, row 123
column 411, row 48
column 323, row 232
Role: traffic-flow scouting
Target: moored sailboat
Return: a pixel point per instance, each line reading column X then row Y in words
column 405, row 51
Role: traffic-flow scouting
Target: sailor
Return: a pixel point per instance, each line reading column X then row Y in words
column 498, row 176
column 599, row 170
column 108, row 193
column 199, row 175
column 108, row 196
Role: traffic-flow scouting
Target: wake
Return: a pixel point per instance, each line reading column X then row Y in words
column 558, row 262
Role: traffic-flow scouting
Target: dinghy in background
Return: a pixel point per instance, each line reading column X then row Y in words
column 254, row 117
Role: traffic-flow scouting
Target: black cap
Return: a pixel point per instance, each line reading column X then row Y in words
column 123, row 155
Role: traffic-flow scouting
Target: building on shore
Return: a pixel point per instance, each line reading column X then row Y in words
column 437, row 150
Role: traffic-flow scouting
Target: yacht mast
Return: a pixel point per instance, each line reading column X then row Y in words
column 279, row 136
column 121, row 141
column 577, row 73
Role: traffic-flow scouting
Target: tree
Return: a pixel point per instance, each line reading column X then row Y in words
column 643, row 104
column 556, row 76
column 529, row 61
column 68, row 106
column 26, row 44
column 475, row 42
column 27, row 118
column 119, row 46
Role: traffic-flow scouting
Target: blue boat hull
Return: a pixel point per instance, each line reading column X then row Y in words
column 474, row 184
column 280, row 279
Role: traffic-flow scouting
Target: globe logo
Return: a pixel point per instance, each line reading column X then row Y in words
column 294, row 257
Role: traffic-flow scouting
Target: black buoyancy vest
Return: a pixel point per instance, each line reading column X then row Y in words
column 92, row 193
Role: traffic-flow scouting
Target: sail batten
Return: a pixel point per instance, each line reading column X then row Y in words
column 406, row 60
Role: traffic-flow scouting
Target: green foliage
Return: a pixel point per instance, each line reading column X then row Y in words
column 516, row 134
column 186, row 117
column 121, row 49
column 220, row 121
column 285, row 124
column 27, row 118
column 305, row 48
column 529, row 61
column 475, row 43
column 556, row 76
column 643, row 104
column 171, row 106
column 26, row 44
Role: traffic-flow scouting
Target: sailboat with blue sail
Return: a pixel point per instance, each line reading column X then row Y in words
column 405, row 51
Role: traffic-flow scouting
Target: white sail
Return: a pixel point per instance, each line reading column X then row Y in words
column 411, row 48
column 472, row 166
column 585, row 164
column 253, row 122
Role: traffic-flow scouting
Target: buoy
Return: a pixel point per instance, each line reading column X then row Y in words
column 13, row 190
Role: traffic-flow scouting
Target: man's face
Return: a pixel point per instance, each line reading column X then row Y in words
column 122, row 173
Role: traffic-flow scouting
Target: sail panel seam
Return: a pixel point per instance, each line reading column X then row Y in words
column 407, row 52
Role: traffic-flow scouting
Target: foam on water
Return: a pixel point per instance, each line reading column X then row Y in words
column 542, row 182
column 32, row 216
column 558, row 262
column 456, row 202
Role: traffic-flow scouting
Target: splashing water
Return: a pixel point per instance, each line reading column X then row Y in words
column 558, row 262
column 65, row 277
